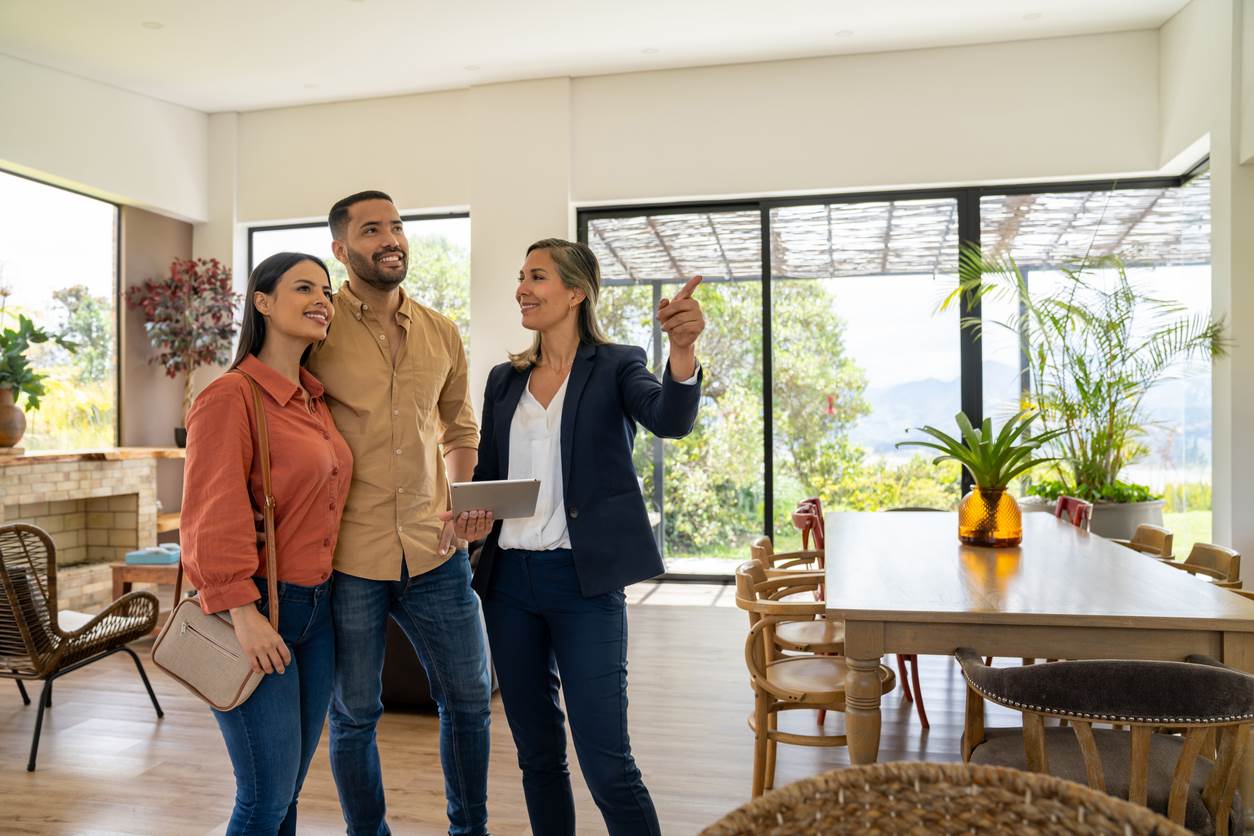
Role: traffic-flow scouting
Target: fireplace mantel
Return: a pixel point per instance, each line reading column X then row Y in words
column 103, row 454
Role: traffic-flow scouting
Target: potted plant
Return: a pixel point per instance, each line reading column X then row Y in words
column 1096, row 345
column 17, row 377
column 988, row 515
column 190, row 319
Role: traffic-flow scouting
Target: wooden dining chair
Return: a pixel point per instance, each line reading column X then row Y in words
column 1149, row 539
column 1190, row 776
column 1218, row 564
column 1076, row 511
column 788, row 681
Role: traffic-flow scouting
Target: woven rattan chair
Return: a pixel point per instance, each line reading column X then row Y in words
column 1149, row 539
column 783, row 682
column 32, row 643
column 1191, row 776
column 1218, row 564
column 938, row 798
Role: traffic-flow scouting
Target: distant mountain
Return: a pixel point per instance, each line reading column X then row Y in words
column 1183, row 407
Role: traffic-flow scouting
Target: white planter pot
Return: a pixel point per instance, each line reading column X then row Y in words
column 1120, row 519
column 1110, row 519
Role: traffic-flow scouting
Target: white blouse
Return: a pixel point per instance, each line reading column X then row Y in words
column 535, row 452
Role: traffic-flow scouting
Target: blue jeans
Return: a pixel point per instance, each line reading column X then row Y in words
column 439, row 613
column 545, row 635
column 272, row 737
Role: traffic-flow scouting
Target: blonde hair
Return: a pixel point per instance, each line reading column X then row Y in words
column 578, row 269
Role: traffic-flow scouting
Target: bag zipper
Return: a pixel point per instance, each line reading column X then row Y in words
column 225, row 650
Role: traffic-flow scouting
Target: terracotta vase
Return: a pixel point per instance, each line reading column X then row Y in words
column 990, row 518
column 12, row 420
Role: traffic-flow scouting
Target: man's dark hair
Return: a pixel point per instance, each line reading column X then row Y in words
column 337, row 218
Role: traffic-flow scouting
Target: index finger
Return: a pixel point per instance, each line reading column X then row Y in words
column 685, row 292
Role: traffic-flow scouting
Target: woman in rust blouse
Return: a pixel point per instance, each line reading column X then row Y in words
column 271, row 737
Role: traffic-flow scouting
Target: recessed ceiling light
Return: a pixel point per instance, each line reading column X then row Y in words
column 152, row 24
column 650, row 50
column 471, row 67
column 845, row 33
column 310, row 85
column 1033, row 16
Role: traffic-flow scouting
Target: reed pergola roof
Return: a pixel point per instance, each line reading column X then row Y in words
column 1159, row 227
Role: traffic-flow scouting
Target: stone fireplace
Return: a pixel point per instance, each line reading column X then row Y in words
column 96, row 506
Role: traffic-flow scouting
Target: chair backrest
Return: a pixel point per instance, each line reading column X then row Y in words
column 808, row 517
column 1152, row 539
column 1198, row 697
column 1218, row 562
column 756, row 594
column 28, row 594
column 762, row 551
column 1074, row 510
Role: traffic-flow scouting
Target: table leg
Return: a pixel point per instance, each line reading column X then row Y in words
column 862, row 709
column 117, row 585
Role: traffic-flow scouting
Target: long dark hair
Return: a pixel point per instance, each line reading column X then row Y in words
column 264, row 278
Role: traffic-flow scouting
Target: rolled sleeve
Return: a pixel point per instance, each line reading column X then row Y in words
column 217, row 531
column 456, row 413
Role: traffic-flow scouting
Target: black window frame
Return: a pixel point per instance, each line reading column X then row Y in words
column 969, row 225
column 405, row 218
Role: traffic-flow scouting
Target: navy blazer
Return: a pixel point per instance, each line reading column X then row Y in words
column 609, row 391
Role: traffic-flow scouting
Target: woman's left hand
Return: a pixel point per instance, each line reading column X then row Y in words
column 470, row 525
column 681, row 316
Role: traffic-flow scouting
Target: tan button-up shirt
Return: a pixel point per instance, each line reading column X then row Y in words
column 399, row 420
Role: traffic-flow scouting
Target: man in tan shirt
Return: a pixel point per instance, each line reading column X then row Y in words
column 396, row 381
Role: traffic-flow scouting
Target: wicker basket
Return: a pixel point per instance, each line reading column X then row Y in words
column 927, row 798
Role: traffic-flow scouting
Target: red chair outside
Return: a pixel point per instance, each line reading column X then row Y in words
column 1075, row 511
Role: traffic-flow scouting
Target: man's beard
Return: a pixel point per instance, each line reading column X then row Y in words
column 368, row 271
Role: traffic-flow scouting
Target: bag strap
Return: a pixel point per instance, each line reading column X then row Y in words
column 267, row 511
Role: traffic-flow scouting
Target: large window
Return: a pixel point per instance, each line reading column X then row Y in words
column 58, row 266
column 827, row 343
column 1163, row 237
column 439, row 259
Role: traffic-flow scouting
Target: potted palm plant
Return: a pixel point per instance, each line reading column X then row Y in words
column 189, row 316
column 1096, row 345
column 17, row 376
column 988, row 515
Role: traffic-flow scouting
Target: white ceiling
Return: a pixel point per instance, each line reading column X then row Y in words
column 219, row 55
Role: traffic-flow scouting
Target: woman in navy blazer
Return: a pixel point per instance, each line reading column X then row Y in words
column 565, row 411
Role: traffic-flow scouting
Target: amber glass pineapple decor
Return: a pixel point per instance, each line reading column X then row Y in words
column 989, row 515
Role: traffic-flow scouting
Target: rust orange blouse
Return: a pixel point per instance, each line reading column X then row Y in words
column 310, row 467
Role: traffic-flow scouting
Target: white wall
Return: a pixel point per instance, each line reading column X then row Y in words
column 1059, row 108
column 296, row 162
column 98, row 139
column 519, row 193
column 1247, row 83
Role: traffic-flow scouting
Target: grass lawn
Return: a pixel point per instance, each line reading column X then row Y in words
column 1189, row 527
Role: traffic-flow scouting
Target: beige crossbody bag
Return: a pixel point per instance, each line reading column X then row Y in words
column 200, row 650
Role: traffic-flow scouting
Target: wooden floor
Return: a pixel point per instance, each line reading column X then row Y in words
column 107, row 765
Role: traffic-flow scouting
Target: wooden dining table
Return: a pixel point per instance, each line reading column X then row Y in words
column 903, row 583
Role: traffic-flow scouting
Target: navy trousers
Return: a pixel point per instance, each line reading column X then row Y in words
column 546, row 636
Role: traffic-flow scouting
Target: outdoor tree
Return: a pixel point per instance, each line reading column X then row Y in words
column 85, row 320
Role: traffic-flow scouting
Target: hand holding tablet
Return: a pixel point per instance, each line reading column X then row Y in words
column 477, row 505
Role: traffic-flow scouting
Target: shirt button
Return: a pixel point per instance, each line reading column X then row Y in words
column 326, row 542
column 382, row 338
column 574, row 512
column 365, row 307
column 396, row 412
column 398, row 451
column 357, row 317
column 400, row 490
column 331, row 506
column 335, row 471
column 326, row 434
column 400, row 528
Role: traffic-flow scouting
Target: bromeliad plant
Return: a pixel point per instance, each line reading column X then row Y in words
column 992, row 461
column 989, row 516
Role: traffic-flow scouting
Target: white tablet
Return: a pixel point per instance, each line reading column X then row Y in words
column 507, row 499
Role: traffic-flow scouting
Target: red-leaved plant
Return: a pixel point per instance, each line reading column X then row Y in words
column 189, row 316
